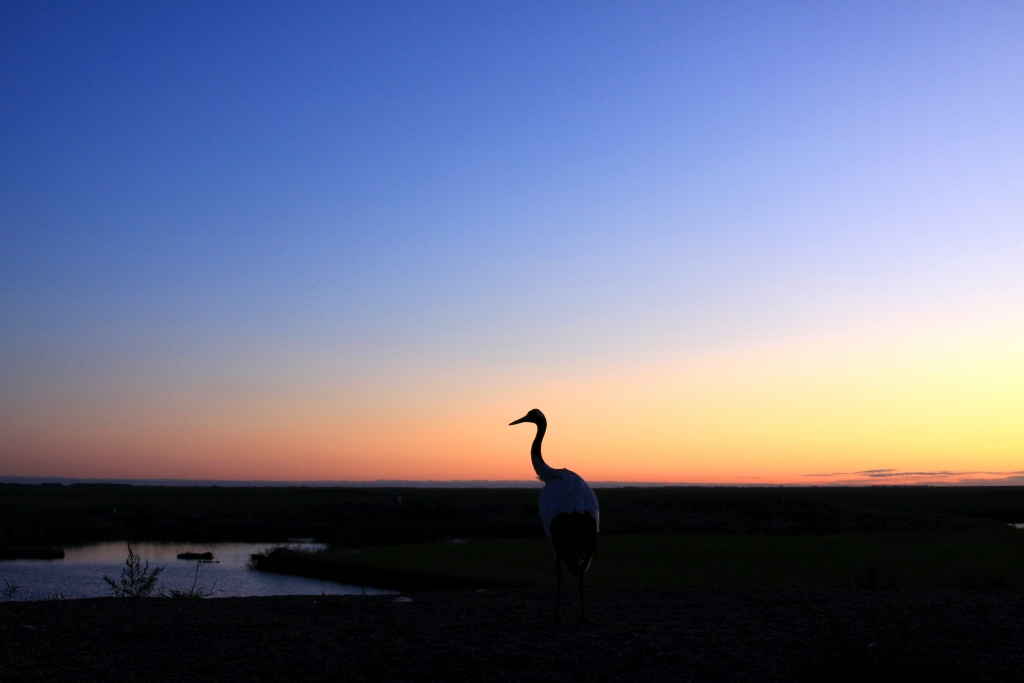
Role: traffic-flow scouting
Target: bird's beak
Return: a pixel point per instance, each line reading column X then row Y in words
column 522, row 419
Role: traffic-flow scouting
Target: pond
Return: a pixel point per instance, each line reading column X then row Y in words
column 80, row 573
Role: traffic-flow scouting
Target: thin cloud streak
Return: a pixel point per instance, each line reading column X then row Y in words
column 948, row 477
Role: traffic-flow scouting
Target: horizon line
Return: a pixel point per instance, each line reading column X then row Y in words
column 462, row 483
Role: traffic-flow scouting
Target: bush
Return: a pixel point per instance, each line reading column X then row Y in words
column 136, row 579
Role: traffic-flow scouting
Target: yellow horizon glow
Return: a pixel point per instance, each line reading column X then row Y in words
column 945, row 396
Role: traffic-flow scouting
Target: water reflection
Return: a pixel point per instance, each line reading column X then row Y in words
column 80, row 573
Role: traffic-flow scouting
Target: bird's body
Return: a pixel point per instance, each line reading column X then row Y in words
column 571, row 519
column 568, row 511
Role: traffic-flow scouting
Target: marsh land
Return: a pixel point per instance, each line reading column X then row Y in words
column 673, row 537
column 755, row 584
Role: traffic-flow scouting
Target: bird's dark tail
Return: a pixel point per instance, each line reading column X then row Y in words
column 574, row 536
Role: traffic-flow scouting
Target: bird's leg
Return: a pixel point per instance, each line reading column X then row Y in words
column 558, row 588
column 583, row 616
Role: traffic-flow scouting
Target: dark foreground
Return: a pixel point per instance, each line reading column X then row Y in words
column 701, row 635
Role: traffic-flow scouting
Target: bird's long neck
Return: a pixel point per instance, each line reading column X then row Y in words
column 539, row 466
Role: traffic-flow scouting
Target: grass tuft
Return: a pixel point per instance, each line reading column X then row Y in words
column 9, row 590
column 196, row 591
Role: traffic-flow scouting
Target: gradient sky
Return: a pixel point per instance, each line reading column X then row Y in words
column 714, row 242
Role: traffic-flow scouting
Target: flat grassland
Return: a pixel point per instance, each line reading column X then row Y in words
column 700, row 584
column 672, row 537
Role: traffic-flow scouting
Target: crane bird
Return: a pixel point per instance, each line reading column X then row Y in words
column 568, row 511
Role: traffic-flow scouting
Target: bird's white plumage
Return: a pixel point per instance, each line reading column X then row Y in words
column 567, row 499
column 565, row 492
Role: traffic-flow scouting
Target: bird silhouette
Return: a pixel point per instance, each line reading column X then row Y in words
column 568, row 511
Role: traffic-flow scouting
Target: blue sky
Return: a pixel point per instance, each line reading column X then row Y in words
column 274, row 198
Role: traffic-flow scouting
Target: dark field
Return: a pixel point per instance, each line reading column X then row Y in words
column 80, row 513
column 880, row 537
column 508, row 635
column 702, row 584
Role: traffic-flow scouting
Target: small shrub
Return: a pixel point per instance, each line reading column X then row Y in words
column 9, row 589
column 196, row 591
column 272, row 555
column 136, row 579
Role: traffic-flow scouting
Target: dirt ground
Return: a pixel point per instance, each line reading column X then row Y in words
column 510, row 635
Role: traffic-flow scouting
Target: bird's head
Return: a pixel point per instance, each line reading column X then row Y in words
column 534, row 416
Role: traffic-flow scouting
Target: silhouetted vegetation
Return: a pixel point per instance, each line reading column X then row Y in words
column 358, row 517
column 992, row 558
column 196, row 591
column 864, row 538
column 9, row 590
column 30, row 552
column 136, row 580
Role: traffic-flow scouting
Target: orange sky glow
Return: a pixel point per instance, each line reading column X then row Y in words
column 716, row 243
column 934, row 401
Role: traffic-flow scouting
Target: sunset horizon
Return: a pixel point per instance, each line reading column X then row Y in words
column 716, row 245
